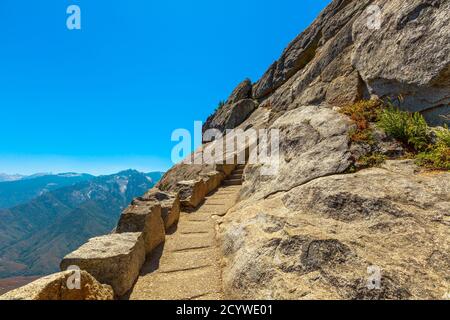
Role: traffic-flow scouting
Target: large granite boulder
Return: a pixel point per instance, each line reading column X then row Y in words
column 145, row 217
column 114, row 259
column 314, row 143
column 170, row 205
column 55, row 287
column 330, row 238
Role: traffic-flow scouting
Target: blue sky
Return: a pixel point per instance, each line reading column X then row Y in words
column 107, row 97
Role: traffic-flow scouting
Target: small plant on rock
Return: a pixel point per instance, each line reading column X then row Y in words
column 437, row 156
column 371, row 160
column 363, row 113
column 409, row 128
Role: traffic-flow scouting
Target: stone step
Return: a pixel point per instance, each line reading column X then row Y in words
column 235, row 176
column 238, row 171
column 187, row 266
column 231, row 182
column 185, row 285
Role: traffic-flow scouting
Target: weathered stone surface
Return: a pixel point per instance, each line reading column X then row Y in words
column 230, row 115
column 318, row 240
column 341, row 58
column 182, row 172
column 114, row 259
column 54, row 287
column 146, row 217
column 408, row 55
column 303, row 51
column 170, row 205
column 242, row 91
column 313, row 143
column 192, row 193
column 213, row 180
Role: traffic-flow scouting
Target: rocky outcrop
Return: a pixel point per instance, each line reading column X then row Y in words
column 144, row 217
column 345, row 56
column 322, row 240
column 308, row 136
column 408, row 55
column 230, row 115
column 312, row 231
column 114, row 259
column 242, row 91
column 235, row 110
column 55, row 287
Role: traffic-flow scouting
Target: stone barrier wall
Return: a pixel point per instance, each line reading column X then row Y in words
column 111, row 264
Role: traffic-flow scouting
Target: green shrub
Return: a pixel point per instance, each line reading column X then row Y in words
column 444, row 135
column 437, row 158
column 409, row 128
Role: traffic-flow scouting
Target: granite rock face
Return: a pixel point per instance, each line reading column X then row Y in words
column 408, row 55
column 242, row 91
column 357, row 49
column 313, row 231
column 231, row 115
column 313, row 143
column 325, row 238
column 55, row 287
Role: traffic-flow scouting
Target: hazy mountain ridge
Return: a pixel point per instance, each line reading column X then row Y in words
column 13, row 193
column 8, row 177
column 35, row 236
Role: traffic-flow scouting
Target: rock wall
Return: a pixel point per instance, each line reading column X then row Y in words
column 321, row 239
column 341, row 58
column 111, row 264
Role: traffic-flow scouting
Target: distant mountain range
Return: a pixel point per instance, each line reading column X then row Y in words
column 58, row 213
column 7, row 177
column 20, row 191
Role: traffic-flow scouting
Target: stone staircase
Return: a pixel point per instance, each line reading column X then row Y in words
column 187, row 265
column 235, row 179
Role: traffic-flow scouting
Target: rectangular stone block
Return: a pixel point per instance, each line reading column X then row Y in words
column 192, row 193
column 144, row 216
column 213, row 181
column 170, row 205
column 114, row 259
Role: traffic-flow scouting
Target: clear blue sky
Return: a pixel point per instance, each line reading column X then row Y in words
column 108, row 97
